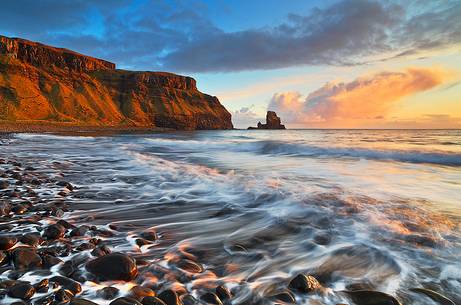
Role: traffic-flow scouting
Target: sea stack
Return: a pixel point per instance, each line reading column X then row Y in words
column 272, row 122
column 45, row 85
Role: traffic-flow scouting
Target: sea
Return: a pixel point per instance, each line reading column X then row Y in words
column 357, row 209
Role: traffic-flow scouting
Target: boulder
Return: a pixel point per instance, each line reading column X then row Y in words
column 26, row 258
column 114, row 266
column 304, row 283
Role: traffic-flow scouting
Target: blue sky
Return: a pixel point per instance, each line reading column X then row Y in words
column 257, row 54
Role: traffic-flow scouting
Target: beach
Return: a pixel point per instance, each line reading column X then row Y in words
column 231, row 217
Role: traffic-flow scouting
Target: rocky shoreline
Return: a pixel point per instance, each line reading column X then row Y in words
column 49, row 256
column 8, row 127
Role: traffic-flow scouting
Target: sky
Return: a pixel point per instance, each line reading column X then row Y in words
column 318, row 64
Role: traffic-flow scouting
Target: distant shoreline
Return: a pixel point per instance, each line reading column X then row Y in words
column 8, row 127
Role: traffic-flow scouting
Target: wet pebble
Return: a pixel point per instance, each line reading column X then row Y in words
column 81, row 302
column 284, row 296
column 53, row 232
column 190, row 266
column 5, row 208
column 223, row 293
column 42, row 286
column 149, row 235
column 437, row 297
column 67, row 284
column 211, row 298
column 31, row 239
column 139, row 292
column 304, row 283
column 103, row 267
column 19, row 209
column 4, row 184
column 7, row 242
column 368, row 297
column 170, row 297
column 125, row 301
column 154, row 301
column 26, row 258
column 79, row 231
column 63, row 296
column 108, row 293
column 3, row 258
column 21, row 291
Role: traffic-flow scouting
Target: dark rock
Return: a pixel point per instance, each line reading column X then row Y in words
column 21, row 291
column 101, row 251
column 153, row 301
column 80, row 231
column 322, row 239
column 170, row 297
column 85, row 246
column 139, row 292
column 103, row 267
column 368, row 297
column 4, row 184
column 303, row 283
column 272, row 122
column 5, row 208
column 55, row 231
column 67, row 284
column 149, row 235
column 7, row 242
column 284, row 296
column 142, row 242
column 211, row 298
column 437, row 297
column 35, row 181
column 66, row 184
column 190, row 266
column 50, row 261
column 26, row 258
column 63, row 296
column 188, row 299
column 31, row 239
column 3, row 258
column 19, row 209
column 125, row 301
column 223, row 293
column 42, row 286
column 81, row 302
column 108, row 293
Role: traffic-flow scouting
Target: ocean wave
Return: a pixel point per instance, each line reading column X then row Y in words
column 281, row 148
column 315, row 151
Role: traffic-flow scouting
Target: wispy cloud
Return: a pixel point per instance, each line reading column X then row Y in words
column 245, row 117
column 366, row 98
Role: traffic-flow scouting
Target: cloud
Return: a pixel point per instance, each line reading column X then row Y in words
column 366, row 98
column 177, row 36
column 245, row 117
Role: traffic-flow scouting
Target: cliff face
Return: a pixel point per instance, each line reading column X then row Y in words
column 39, row 83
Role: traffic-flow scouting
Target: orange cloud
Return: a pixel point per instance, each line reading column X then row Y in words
column 346, row 104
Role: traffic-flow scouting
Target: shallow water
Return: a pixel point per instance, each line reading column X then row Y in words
column 355, row 208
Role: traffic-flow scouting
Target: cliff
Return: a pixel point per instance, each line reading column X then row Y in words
column 272, row 122
column 39, row 83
